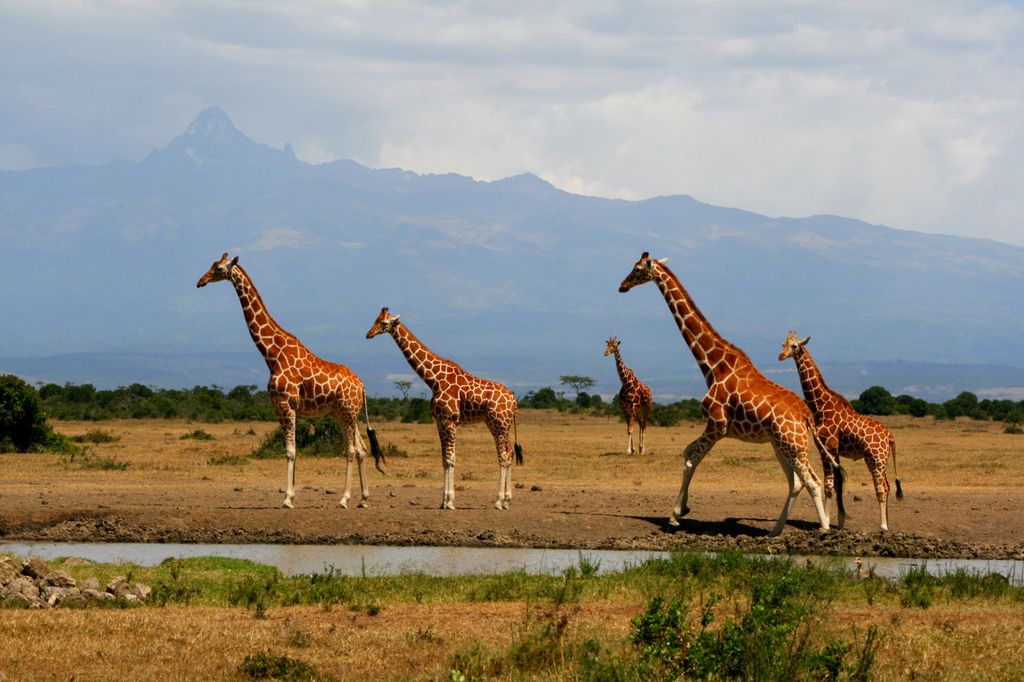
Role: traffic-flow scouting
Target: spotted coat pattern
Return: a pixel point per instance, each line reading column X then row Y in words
column 634, row 397
column 843, row 430
column 458, row 398
column 301, row 384
column 740, row 402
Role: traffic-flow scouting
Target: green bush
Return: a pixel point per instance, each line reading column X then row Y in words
column 270, row 666
column 22, row 419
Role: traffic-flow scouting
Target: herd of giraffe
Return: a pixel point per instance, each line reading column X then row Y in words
column 740, row 402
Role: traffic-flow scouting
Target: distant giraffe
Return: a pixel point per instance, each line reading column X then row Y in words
column 301, row 384
column 459, row 398
column 634, row 397
column 843, row 430
column 740, row 402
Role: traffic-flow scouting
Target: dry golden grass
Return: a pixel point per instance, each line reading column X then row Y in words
column 416, row 642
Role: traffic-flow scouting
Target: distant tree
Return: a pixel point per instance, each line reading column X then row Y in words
column 875, row 400
column 403, row 386
column 22, row 419
column 964, row 405
column 915, row 407
column 577, row 383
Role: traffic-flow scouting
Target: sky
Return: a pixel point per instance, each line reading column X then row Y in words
column 908, row 114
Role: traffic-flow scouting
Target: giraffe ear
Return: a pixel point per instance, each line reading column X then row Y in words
column 804, row 342
column 663, row 261
column 224, row 255
column 395, row 318
column 234, row 261
column 644, row 256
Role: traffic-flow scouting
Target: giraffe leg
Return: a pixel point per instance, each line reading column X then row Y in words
column 629, row 433
column 287, row 420
column 503, row 445
column 694, row 453
column 446, row 430
column 876, row 466
column 795, row 486
column 797, row 460
column 356, row 453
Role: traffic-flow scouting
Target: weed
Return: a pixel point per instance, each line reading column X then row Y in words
column 96, row 436
column 392, row 450
column 916, row 587
column 221, row 460
column 198, row 434
column 270, row 666
column 83, row 458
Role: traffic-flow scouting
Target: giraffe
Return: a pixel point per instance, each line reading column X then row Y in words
column 634, row 397
column 740, row 402
column 459, row 398
column 843, row 431
column 301, row 384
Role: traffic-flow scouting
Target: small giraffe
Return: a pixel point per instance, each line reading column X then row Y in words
column 740, row 402
column 301, row 384
column 843, row 431
column 459, row 398
column 634, row 397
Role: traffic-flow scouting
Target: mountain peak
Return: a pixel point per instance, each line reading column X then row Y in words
column 212, row 140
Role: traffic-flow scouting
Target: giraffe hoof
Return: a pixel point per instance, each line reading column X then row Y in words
column 673, row 521
column 343, row 503
column 362, row 504
column 287, row 504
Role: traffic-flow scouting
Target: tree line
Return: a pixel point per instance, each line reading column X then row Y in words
column 24, row 409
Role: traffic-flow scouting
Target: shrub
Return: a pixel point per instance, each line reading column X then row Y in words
column 270, row 666
column 22, row 419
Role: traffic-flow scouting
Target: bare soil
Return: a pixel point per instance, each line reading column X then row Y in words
column 964, row 484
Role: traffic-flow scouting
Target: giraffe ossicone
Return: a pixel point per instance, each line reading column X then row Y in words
column 740, row 402
column 301, row 384
column 844, row 431
column 634, row 397
column 458, row 397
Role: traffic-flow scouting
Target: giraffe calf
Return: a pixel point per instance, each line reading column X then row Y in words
column 844, row 431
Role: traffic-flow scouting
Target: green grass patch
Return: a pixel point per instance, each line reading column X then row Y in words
column 198, row 434
column 83, row 458
column 320, row 437
column 232, row 460
column 267, row 665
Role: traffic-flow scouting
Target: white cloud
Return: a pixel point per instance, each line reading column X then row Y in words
column 904, row 113
column 280, row 238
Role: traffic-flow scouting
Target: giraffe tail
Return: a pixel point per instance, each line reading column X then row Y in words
column 833, row 461
column 517, row 447
column 371, row 435
column 892, row 451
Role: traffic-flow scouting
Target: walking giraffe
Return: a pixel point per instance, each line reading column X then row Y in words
column 459, row 398
column 634, row 397
column 740, row 402
column 301, row 384
column 843, row 430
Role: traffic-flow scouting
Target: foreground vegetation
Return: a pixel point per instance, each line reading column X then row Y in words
column 690, row 616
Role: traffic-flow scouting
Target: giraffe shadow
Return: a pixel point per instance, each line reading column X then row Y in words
column 728, row 527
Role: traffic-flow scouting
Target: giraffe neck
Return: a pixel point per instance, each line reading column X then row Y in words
column 625, row 373
column 813, row 384
column 266, row 333
column 698, row 333
column 427, row 364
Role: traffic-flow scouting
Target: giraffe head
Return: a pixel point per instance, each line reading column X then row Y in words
column 792, row 346
column 643, row 272
column 613, row 345
column 220, row 269
column 384, row 324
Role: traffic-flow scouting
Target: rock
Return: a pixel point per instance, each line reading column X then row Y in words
column 55, row 596
column 35, row 568
column 22, row 585
column 392, row 493
column 59, row 579
column 238, row 488
column 92, row 583
column 520, row 485
column 96, row 595
column 142, row 591
column 536, row 488
column 118, row 586
column 330, row 491
column 9, row 570
column 15, row 601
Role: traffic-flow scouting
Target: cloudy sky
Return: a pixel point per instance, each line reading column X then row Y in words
column 905, row 113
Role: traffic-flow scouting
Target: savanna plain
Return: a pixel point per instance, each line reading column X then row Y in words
column 173, row 481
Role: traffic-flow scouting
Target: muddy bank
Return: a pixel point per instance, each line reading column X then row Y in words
column 795, row 541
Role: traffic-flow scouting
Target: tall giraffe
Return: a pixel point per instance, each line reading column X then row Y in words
column 459, row 398
column 740, row 402
column 634, row 397
column 301, row 384
column 843, row 430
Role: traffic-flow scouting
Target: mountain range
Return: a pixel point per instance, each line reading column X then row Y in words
column 515, row 278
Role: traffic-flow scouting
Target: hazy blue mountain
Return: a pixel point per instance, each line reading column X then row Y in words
column 514, row 278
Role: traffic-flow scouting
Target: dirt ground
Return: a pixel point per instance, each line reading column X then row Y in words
column 964, row 484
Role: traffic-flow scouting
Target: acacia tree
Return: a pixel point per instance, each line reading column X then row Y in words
column 22, row 420
column 403, row 386
column 577, row 383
